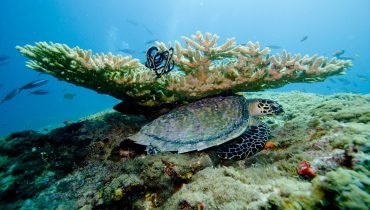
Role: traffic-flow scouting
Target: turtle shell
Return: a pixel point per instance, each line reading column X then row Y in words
column 197, row 126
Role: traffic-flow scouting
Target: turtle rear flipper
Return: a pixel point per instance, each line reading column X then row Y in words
column 250, row 142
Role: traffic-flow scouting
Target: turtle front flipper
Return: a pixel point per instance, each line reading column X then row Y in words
column 249, row 143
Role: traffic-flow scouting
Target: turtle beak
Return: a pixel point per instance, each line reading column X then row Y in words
column 277, row 108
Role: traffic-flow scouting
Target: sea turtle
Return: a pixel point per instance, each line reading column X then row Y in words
column 228, row 122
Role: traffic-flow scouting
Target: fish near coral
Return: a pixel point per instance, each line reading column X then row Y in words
column 127, row 51
column 4, row 59
column 305, row 169
column 11, row 95
column 39, row 92
column 338, row 53
column 69, row 96
column 33, row 84
column 160, row 62
column 304, row 39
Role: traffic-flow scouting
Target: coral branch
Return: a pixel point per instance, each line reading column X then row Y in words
column 203, row 69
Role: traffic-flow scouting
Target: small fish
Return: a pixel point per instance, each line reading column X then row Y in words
column 132, row 22
column 151, row 41
column 39, row 92
column 33, row 84
column 275, row 47
column 69, row 96
column 361, row 77
column 304, row 38
column 338, row 53
column 4, row 59
column 347, row 58
column 11, row 95
column 127, row 51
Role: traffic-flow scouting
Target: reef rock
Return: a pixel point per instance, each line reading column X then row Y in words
column 91, row 165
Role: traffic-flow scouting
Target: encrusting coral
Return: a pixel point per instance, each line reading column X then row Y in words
column 203, row 69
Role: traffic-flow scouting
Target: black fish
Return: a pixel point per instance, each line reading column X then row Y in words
column 4, row 59
column 304, row 38
column 11, row 95
column 33, row 84
column 39, row 92
column 275, row 47
column 338, row 53
column 127, row 51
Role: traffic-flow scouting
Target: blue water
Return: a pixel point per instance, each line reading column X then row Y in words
column 106, row 25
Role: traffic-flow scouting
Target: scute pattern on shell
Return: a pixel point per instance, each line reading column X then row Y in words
column 197, row 126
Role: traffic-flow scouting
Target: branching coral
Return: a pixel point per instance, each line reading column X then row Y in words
column 203, row 69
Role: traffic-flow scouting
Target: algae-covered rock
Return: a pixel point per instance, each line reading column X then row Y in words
column 252, row 188
column 345, row 189
column 90, row 165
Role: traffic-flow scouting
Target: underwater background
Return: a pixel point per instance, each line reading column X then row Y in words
column 130, row 27
column 299, row 146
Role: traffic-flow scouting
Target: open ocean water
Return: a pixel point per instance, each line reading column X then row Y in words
column 110, row 25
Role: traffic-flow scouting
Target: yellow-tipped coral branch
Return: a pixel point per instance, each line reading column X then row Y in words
column 203, row 69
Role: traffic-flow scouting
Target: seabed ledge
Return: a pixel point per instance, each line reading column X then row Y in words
column 318, row 158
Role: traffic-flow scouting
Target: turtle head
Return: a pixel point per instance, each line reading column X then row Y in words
column 258, row 107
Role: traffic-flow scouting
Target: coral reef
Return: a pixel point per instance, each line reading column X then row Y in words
column 90, row 165
column 203, row 69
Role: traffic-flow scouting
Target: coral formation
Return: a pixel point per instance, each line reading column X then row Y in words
column 203, row 69
column 252, row 188
column 87, row 165
column 346, row 188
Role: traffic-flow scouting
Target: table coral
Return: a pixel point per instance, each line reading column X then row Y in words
column 203, row 69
